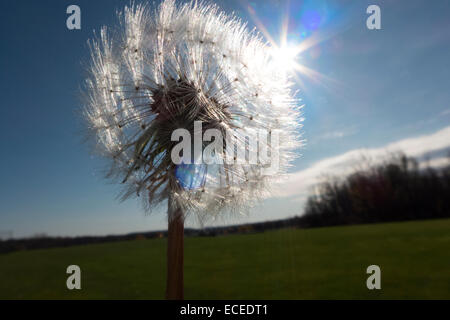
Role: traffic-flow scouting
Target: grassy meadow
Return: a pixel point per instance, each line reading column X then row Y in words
column 322, row 263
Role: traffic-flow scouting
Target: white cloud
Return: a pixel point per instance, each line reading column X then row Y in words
column 298, row 184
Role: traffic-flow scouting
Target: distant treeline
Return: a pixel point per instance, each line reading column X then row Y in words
column 43, row 242
column 395, row 190
column 392, row 191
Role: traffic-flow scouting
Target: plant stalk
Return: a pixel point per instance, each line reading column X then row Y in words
column 175, row 252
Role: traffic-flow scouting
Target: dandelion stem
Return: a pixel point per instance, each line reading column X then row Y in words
column 175, row 248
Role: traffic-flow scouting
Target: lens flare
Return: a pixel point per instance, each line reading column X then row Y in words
column 191, row 176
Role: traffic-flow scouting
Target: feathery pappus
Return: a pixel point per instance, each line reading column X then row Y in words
column 165, row 69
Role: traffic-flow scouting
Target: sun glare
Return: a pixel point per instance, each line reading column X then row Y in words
column 287, row 52
column 286, row 57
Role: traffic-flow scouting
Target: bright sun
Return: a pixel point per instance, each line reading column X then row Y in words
column 286, row 57
column 286, row 53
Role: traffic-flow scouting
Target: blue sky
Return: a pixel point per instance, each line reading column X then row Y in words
column 374, row 89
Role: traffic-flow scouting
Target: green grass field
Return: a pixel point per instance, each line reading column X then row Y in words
column 324, row 263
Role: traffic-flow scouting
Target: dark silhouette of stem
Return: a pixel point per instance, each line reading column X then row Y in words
column 175, row 248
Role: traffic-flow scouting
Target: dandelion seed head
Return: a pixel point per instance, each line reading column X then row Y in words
column 165, row 69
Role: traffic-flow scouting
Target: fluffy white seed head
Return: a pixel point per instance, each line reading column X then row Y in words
column 162, row 70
